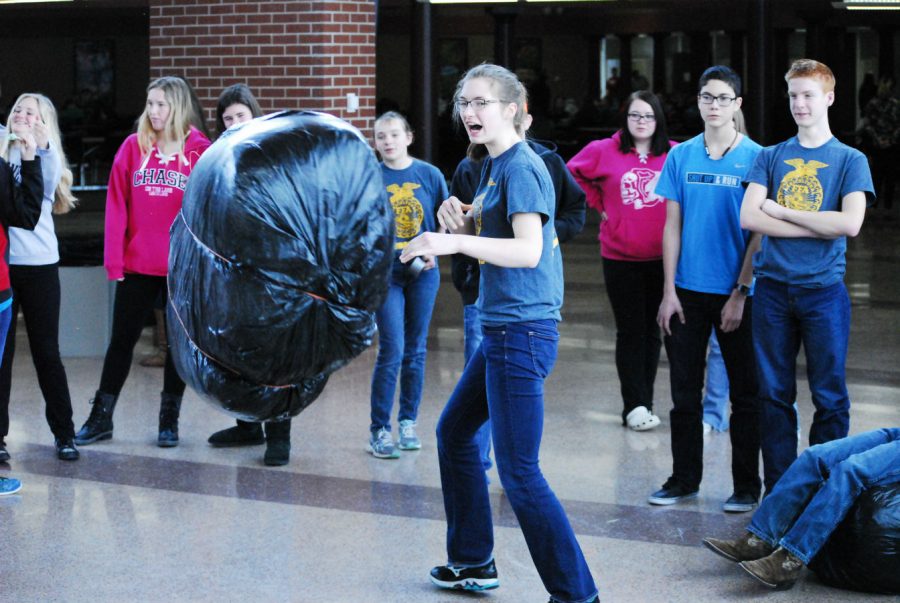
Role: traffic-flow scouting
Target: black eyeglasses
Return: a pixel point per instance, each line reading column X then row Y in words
column 724, row 101
column 639, row 117
column 478, row 104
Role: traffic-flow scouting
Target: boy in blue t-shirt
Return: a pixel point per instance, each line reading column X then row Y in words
column 707, row 261
column 806, row 195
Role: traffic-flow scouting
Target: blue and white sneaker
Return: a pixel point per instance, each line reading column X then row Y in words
column 9, row 485
column 381, row 445
column 408, row 438
column 483, row 577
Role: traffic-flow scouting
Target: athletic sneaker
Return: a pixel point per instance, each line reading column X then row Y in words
column 4, row 455
column 740, row 502
column 381, row 445
column 483, row 577
column 671, row 493
column 408, row 438
column 9, row 485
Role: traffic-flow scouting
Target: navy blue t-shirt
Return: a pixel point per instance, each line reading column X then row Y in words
column 808, row 180
column 518, row 182
column 415, row 193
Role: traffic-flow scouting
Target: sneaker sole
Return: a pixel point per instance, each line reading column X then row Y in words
column 11, row 491
column 473, row 584
column 106, row 435
column 409, row 446
column 670, row 501
column 738, row 507
column 167, row 443
column 379, row 455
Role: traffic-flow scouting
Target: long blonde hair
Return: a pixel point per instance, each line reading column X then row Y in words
column 63, row 199
column 178, row 126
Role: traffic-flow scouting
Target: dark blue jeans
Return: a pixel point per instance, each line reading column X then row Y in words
column 686, row 349
column 402, row 334
column 817, row 490
column 783, row 317
column 472, row 324
column 504, row 380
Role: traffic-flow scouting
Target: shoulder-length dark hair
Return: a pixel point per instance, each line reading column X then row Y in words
column 659, row 143
column 237, row 93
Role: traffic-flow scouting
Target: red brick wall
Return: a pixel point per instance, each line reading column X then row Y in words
column 296, row 54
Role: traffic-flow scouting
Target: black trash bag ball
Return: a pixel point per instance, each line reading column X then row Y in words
column 863, row 553
column 278, row 260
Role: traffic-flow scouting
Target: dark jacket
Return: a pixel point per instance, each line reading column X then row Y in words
column 20, row 206
column 569, row 217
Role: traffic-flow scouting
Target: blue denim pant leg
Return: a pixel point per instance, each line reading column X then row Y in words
column 776, row 341
column 815, row 493
column 518, row 358
column 472, row 324
column 420, row 296
column 715, row 398
column 783, row 317
column 402, row 321
column 825, row 328
column 470, row 532
column 5, row 321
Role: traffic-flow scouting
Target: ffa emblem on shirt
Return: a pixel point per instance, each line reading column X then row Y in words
column 408, row 212
column 477, row 209
column 801, row 189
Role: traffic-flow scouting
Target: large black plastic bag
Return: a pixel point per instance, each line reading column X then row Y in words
column 278, row 259
column 863, row 553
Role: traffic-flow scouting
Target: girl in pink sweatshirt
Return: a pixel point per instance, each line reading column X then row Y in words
column 618, row 176
column 146, row 186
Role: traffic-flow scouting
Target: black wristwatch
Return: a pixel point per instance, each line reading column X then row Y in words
column 742, row 289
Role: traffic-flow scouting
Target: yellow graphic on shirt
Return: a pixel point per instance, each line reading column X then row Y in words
column 801, row 188
column 477, row 209
column 408, row 211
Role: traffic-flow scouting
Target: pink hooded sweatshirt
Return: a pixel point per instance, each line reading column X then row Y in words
column 144, row 196
column 622, row 186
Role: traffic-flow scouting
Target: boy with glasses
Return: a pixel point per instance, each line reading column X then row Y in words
column 707, row 261
column 806, row 195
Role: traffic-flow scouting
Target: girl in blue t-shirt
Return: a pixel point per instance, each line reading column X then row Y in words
column 509, row 228
column 414, row 189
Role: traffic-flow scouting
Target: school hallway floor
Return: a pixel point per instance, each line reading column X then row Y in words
column 134, row 522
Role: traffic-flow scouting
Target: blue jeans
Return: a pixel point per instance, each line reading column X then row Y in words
column 473, row 338
column 817, row 490
column 504, row 380
column 5, row 321
column 402, row 334
column 783, row 317
column 715, row 399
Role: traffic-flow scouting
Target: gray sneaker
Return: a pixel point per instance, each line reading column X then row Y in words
column 381, row 445
column 408, row 438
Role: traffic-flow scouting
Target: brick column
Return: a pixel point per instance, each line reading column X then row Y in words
column 298, row 54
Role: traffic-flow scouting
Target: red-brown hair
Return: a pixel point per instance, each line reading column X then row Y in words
column 812, row 69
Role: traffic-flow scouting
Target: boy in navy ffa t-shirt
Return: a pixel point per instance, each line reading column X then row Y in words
column 806, row 196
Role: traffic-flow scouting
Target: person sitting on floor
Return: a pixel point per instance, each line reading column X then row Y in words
column 809, row 501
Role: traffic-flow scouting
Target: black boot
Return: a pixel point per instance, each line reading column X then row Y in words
column 99, row 425
column 243, row 434
column 278, row 443
column 169, row 409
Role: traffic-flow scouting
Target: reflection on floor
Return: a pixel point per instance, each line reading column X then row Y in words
column 131, row 521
